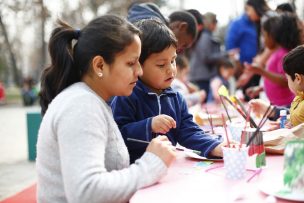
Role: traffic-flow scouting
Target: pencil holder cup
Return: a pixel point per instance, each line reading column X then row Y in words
column 235, row 127
column 235, row 160
column 256, row 150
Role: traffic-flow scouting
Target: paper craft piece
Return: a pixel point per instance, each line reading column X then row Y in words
column 195, row 156
column 275, row 141
column 203, row 164
column 294, row 166
column 223, row 91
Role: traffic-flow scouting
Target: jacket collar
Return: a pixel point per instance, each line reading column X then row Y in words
column 142, row 87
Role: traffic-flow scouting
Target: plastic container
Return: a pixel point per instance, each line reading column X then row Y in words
column 283, row 118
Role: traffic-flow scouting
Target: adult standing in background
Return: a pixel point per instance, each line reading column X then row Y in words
column 205, row 55
column 244, row 33
column 182, row 23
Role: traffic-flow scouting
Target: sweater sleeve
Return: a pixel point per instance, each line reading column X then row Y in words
column 190, row 135
column 82, row 134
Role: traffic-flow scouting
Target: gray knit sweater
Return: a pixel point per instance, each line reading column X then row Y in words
column 81, row 156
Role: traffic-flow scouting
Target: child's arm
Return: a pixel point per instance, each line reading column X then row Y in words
column 215, row 85
column 273, row 77
column 190, row 135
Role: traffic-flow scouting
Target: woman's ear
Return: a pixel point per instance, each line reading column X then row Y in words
column 98, row 65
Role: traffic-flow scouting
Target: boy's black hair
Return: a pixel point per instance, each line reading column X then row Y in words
column 186, row 17
column 181, row 62
column 293, row 62
column 155, row 37
column 284, row 29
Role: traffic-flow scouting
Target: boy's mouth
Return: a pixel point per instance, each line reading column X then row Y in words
column 169, row 79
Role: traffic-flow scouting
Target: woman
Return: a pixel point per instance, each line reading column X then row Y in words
column 81, row 156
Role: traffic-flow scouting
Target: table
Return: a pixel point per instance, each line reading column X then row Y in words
column 185, row 182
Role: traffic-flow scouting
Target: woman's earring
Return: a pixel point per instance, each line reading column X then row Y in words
column 100, row 74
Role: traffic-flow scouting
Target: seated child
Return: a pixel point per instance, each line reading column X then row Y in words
column 281, row 34
column 225, row 70
column 293, row 64
column 191, row 93
column 154, row 107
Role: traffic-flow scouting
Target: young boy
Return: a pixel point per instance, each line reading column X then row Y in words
column 154, row 108
column 293, row 66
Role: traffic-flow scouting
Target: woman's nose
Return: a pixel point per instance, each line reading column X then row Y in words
column 139, row 71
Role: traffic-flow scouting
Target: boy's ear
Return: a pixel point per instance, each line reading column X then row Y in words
column 98, row 65
column 299, row 79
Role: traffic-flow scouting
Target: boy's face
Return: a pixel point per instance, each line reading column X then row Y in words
column 296, row 84
column 159, row 70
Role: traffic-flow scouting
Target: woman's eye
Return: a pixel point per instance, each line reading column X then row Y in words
column 131, row 63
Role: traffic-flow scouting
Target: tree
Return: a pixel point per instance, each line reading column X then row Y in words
column 12, row 58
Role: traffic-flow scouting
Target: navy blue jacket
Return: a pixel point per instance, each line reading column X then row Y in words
column 145, row 11
column 134, row 115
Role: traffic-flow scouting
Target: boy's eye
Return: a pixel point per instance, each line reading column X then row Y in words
column 161, row 65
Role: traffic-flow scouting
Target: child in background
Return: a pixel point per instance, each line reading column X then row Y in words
column 293, row 66
column 281, row 34
column 191, row 93
column 225, row 70
column 154, row 107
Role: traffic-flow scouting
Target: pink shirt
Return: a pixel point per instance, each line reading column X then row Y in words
column 278, row 95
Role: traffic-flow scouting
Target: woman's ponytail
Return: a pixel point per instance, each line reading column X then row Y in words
column 61, row 73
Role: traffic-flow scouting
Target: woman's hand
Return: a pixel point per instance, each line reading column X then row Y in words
column 162, row 147
column 162, row 124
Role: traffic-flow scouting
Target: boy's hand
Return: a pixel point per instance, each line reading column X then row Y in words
column 162, row 124
column 258, row 106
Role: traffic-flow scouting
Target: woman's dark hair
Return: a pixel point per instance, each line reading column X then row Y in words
column 285, row 7
column 260, row 6
column 293, row 62
column 156, row 37
column 105, row 36
column 284, row 29
column 186, row 17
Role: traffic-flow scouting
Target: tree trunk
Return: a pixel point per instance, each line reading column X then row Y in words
column 43, row 16
column 16, row 73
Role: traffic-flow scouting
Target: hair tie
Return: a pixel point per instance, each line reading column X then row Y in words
column 77, row 33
